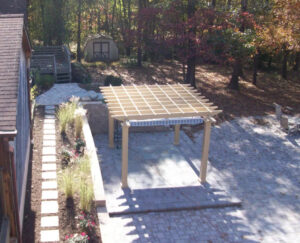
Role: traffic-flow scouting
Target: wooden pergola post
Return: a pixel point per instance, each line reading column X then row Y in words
column 125, row 131
column 111, row 129
column 177, row 134
column 205, row 149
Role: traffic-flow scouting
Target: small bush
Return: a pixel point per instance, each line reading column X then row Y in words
column 86, row 194
column 77, row 238
column 34, row 92
column 84, row 165
column 80, row 74
column 78, row 125
column 112, row 80
column 79, row 146
column 86, row 222
column 44, row 81
column 67, row 182
column 65, row 114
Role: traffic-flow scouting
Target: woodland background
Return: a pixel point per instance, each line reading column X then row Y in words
column 258, row 34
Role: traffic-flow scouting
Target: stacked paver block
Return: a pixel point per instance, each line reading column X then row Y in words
column 49, row 207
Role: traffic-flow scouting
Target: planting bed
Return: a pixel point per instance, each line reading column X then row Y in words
column 69, row 209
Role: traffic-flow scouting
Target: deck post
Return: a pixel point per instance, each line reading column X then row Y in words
column 177, row 134
column 205, row 149
column 125, row 131
column 111, row 129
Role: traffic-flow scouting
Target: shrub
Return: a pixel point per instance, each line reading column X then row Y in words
column 67, row 182
column 86, row 222
column 86, row 194
column 66, row 156
column 65, row 113
column 63, row 116
column 79, row 146
column 44, row 81
column 112, row 80
column 78, row 125
column 80, row 74
column 34, row 92
column 77, row 238
column 84, row 165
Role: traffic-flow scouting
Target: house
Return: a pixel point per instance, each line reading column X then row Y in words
column 14, row 7
column 100, row 47
column 15, row 124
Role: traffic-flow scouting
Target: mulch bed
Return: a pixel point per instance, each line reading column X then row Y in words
column 68, row 209
column 32, row 210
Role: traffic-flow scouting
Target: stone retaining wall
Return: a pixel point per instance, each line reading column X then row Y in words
column 97, row 115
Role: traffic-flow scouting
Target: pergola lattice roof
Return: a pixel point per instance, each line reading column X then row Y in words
column 156, row 101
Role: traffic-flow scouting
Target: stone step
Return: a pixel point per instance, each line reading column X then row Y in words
column 49, row 194
column 49, row 207
column 49, row 221
column 48, row 167
column 48, row 175
column 49, row 185
column 49, row 236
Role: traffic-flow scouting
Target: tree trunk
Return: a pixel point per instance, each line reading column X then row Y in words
column 128, row 49
column 79, row 31
column 238, row 66
column 255, row 67
column 183, row 71
column 234, row 81
column 139, row 51
column 213, row 3
column 297, row 61
column 43, row 22
column 106, row 17
column 284, row 64
column 270, row 62
column 228, row 5
column 113, row 19
column 191, row 60
column 99, row 20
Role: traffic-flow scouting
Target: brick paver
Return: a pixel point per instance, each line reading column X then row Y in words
column 49, row 204
column 258, row 164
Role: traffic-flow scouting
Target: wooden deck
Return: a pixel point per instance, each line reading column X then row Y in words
column 53, row 60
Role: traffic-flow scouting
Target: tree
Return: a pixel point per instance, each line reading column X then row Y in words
column 191, row 59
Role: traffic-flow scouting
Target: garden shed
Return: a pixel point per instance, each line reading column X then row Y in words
column 100, row 47
column 15, row 124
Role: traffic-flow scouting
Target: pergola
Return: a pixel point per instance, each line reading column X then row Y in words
column 147, row 104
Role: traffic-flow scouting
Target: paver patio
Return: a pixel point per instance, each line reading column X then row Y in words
column 258, row 164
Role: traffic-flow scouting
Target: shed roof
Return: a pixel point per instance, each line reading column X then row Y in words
column 11, row 37
column 96, row 36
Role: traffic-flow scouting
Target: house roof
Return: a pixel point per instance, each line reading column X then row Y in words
column 11, row 42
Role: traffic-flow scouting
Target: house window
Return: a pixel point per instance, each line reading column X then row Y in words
column 101, row 50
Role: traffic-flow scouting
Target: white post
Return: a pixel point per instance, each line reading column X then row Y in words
column 125, row 131
column 205, row 149
column 177, row 134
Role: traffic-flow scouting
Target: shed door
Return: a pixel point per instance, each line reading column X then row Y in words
column 101, row 50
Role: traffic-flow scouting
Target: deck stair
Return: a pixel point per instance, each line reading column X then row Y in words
column 53, row 60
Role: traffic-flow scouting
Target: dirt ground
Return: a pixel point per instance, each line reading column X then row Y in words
column 212, row 81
